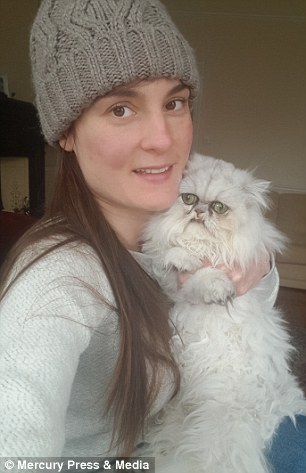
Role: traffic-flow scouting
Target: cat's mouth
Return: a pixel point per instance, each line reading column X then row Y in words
column 198, row 219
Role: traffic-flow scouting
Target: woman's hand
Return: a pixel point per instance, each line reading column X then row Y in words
column 243, row 281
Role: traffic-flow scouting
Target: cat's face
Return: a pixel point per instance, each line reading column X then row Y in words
column 208, row 215
column 218, row 199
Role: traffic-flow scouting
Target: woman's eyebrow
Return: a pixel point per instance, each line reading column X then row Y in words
column 122, row 93
column 130, row 92
column 178, row 88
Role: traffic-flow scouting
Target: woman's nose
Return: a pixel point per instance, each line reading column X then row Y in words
column 156, row 133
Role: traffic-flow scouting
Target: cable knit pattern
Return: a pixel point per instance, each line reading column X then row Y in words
column 58, row 349
column 81, row 49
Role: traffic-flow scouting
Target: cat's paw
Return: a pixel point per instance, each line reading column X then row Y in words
column 219, row 290
column 208, row 285
column 181, row 260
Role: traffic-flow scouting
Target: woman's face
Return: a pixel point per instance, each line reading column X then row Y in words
column 132, row 146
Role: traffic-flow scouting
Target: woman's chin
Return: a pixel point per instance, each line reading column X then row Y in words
column 161, row 206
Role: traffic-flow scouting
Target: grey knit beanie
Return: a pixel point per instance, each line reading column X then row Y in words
column 82, row 49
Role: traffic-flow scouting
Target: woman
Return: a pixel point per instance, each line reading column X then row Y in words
column 85, row 339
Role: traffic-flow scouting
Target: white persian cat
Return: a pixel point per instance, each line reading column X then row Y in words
column 236, row 385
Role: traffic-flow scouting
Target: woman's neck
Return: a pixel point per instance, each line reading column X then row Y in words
column 127, row 225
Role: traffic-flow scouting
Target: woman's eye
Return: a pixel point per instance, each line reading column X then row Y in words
column 121, row 111
column 190, row 199
column 175, row 105
column 219, row 207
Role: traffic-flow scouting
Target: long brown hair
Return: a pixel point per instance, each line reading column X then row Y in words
column 141, row 306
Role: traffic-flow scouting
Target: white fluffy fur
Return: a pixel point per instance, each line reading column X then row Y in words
column 236, row 385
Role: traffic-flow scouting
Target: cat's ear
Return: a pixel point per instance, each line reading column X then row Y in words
column 258, row 190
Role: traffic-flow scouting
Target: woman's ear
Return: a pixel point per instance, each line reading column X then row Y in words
column 66, row 142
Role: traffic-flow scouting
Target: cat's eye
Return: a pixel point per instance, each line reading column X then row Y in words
column 190, row 199
column 219, row 207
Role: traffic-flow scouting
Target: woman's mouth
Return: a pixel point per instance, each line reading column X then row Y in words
column 152, row 170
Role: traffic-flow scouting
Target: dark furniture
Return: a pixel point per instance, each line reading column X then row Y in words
column 12, row 226
column 20, row 135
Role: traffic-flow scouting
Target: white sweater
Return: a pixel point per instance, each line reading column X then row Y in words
column 58, row 349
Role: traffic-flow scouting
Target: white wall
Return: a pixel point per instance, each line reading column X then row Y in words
column 252, row 58
column 16, row 17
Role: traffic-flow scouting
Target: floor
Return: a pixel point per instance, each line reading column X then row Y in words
column 293, row 304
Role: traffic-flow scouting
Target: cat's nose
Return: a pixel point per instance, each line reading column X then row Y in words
column 200, row 214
